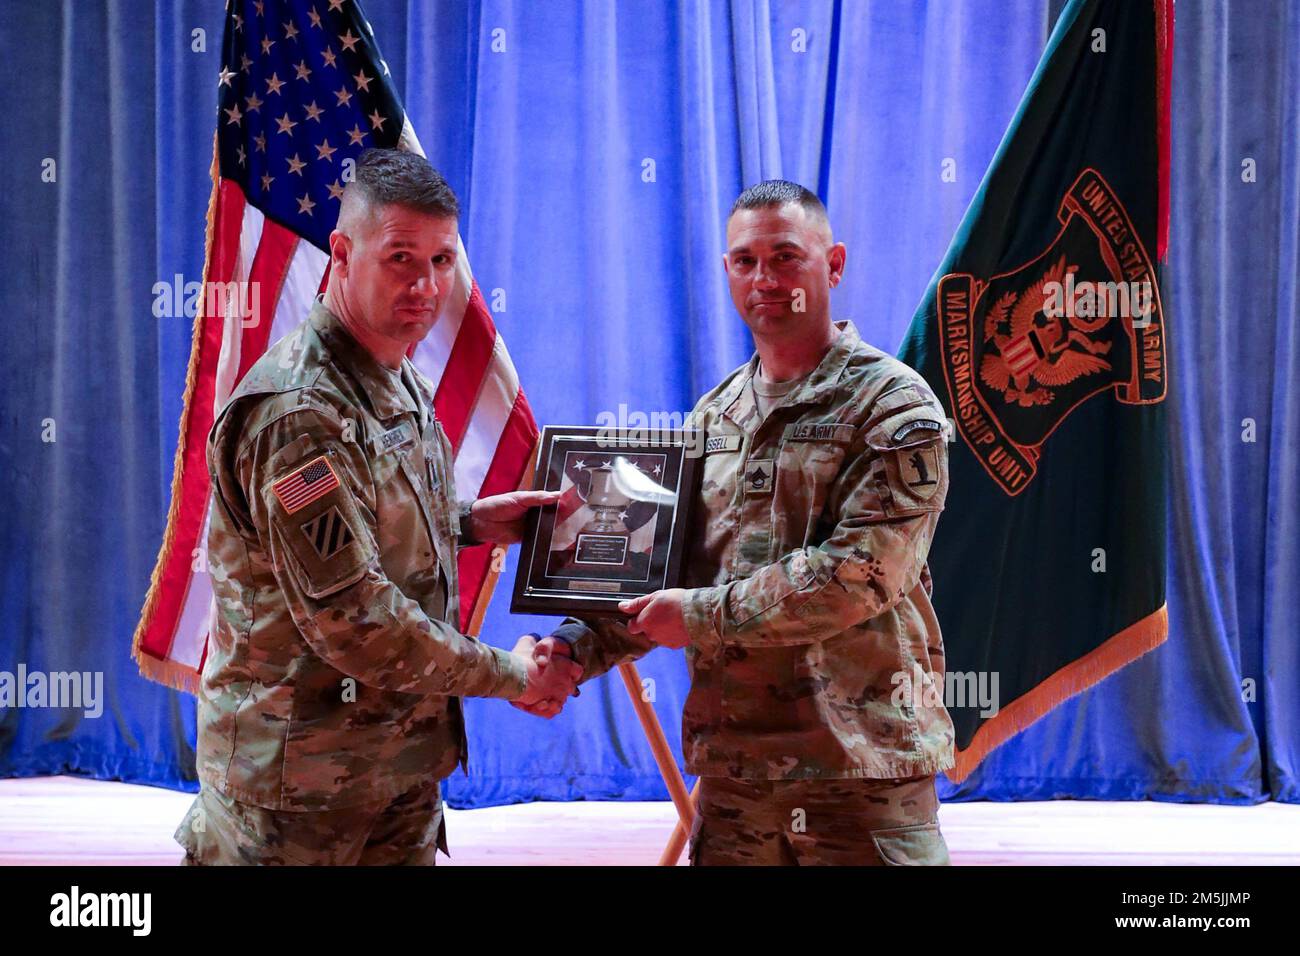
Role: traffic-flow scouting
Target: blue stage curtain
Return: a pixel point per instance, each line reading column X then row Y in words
column 596, row 156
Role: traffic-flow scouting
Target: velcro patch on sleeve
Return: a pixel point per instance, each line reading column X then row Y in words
column 900, row 397
column 915, row 478
column 326, row 541
column 917, row 424
column 919, row 471
column 328, row 533
column 304, row 485
column 914, row 458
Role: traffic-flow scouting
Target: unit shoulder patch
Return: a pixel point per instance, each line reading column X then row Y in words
column 917, row 424
column 328, row 533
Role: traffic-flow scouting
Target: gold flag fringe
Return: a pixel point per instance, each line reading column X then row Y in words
column 171, row 673
column 1074, row 678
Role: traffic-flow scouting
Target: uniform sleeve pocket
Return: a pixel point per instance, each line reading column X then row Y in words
column 292, row 453
column 917, row 845
column 914, row 456
column 328, row 543
column 907, row 429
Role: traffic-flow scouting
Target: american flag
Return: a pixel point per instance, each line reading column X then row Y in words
column 312, row 481
column 302, row 92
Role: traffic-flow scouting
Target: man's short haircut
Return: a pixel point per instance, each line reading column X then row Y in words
column 398, row 177
column 779, row 192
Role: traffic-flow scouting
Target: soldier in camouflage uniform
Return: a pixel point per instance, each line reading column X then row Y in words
column 809, row 614
column 329, row 708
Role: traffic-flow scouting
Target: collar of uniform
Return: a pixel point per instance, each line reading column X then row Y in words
column 817, row 387
column 378, row 383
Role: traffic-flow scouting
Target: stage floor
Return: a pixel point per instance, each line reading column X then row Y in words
column 69, row 820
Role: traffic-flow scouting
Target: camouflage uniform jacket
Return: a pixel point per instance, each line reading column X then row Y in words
column 334, row 660
column 810, row 615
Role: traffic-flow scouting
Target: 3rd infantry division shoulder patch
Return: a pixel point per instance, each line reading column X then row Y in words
column 328, row 533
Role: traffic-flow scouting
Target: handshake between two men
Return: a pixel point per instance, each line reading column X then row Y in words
column 553, row 674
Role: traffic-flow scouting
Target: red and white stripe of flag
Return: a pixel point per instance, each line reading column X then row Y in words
column 1020, row 355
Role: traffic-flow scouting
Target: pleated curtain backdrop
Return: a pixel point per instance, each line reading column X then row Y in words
column 596, row 155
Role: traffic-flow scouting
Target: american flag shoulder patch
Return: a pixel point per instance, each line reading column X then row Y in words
column 304, row 485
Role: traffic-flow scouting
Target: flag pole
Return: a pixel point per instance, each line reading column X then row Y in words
column 677, row 842
column 663, row 755
column 498, row 559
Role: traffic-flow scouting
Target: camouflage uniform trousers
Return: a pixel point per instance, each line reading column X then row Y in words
column 406, row 830
column 848, row 822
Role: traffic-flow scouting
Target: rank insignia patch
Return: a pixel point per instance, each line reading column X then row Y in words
column 328, row 533
column 304, row 485
column 758, row 476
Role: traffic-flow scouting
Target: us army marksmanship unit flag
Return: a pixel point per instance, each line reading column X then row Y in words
column 1043, row 332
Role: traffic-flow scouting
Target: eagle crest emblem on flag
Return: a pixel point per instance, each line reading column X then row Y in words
column 1024, row 348
column 1034, row 348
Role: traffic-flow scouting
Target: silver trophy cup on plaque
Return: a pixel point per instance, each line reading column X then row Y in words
column 604, row 539
column 606, row 502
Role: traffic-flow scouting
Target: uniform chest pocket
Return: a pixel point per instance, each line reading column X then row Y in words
column 428, row 471
column 406, row 539
column 718, row 486
column 810, row 459
column 440, row 484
